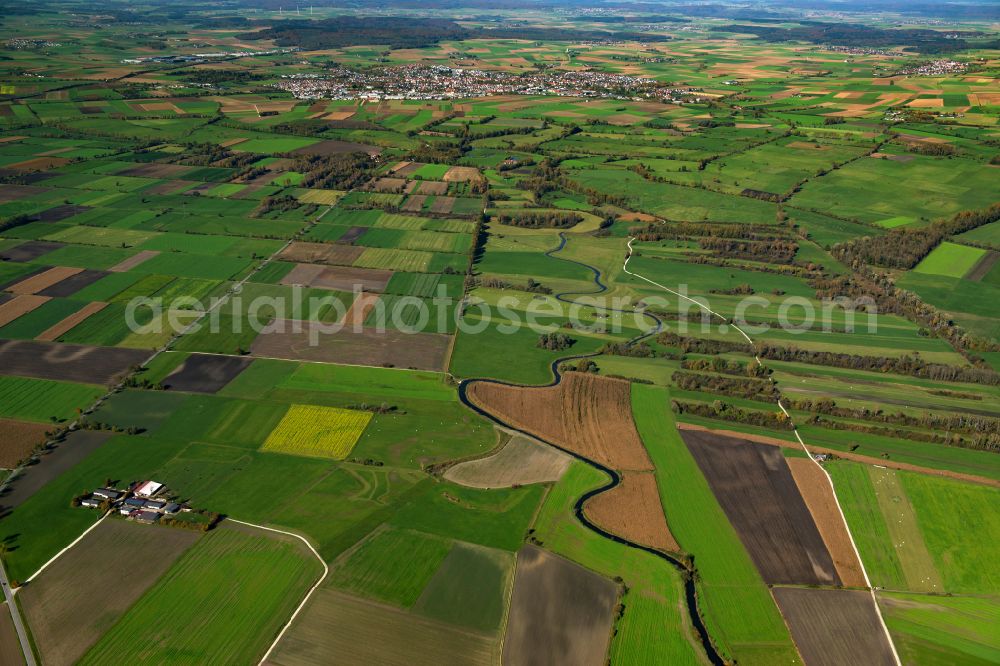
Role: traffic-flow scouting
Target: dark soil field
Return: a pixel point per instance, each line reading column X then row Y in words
column 18, row 439
column 73, row 363
column 52, row 463
column 60, row 212
column 72, row 284
column 339, row 278
column 351, row 235
column 756, row 490
column 591, row 416
column 632, row 510
column 10, row 193
column 391, row 348
column 205, row 373
column 560, row 613
column 834, row 627
column 30, row 251
column 83, row 593
column 333, row 147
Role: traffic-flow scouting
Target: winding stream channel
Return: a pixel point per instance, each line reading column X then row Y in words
column 686, row 569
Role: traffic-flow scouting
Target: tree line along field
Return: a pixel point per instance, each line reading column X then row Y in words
column 801, row 169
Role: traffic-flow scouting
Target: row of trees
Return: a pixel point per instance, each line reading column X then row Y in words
column 727, row 412
column 778, row 251
column 903, row 248
column 735, row 387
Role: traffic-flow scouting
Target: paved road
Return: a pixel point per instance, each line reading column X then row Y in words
column 22, row 633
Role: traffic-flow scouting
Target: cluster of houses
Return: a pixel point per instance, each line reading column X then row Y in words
column 143, row 502
column 441, row 82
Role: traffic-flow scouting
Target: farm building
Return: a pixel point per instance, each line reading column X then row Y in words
column 148, row 489
column 91, row 502
column 108, row 493
column 147, row 517
column 130, row 505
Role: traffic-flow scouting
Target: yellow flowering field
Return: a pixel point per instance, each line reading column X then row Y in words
column 318, row 432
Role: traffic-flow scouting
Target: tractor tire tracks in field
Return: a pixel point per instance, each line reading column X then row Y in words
column 686, row 569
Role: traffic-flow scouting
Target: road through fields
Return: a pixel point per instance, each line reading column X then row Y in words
column 864, row 571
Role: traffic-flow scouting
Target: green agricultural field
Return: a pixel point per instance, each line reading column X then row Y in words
column 237, row 583
column 745, row 159
column 943, row 629
column 391, row 565
column 950, row 260
column 729, row 580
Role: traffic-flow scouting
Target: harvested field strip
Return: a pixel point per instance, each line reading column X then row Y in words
column 632, row 510
column 37, row 283
column 359, row 309
column 983, row 266
column 590, row 416
column 226, row 598
column 320, row 432
column 18, row 306
column 520, row 461
column 69, row 322
column 59, row 602
column 904, row 532
column 133, row 261
column 819, row 497
column 366, row 632
column 834, row 627
column 756, row 490
column 560, row 613
column 18, row 439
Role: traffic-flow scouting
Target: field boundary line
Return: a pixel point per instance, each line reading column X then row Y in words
column 63, row 551
column 829, row 479
column 305, row 599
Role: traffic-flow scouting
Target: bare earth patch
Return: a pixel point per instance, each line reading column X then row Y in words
column 763, row 504
column 521, row 461
column 560, row 613
column 834, row 627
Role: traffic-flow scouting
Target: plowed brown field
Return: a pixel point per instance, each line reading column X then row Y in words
column 632, row 510
column 818, row 495
column 590, row 416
